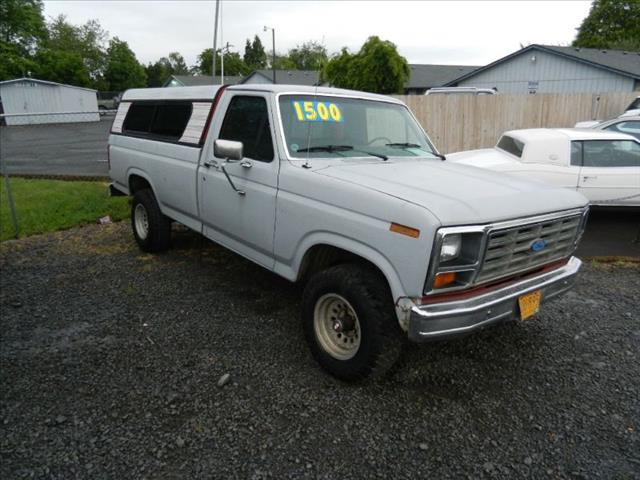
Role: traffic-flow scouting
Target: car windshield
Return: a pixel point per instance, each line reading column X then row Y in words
column 634, row 105
column 333, row 127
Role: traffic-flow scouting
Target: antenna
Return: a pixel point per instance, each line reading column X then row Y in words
column 315, row 97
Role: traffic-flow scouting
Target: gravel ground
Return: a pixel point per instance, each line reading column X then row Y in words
column 111, row 362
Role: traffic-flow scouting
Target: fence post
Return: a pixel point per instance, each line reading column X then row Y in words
column 7, row 183
column 12, row 206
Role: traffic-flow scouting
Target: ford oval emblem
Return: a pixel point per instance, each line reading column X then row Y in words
column 538, row 245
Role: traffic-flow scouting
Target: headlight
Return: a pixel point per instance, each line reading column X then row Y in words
column 451, row 246
column 455, row 258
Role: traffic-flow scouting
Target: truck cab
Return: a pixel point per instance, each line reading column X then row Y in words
column 344, row 192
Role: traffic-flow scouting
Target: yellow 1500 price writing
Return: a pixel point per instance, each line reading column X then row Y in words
column 313, row 111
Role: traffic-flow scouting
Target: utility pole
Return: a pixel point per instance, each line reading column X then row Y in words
column 215, row 40
column 273, row 56
column 223, row 51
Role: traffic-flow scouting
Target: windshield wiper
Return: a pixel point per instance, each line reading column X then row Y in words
column 403, row 145
column 326, row 148
column 341, row 148
column 413, row 145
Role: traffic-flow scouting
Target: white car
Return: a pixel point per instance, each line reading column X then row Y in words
column 602, row 165
column 629, row 124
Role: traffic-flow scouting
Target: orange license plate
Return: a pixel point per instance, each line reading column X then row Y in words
column 529, row 304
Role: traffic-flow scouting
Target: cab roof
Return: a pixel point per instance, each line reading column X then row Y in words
column 208, row 92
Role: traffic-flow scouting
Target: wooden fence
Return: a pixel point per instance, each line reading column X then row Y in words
column 461, row 122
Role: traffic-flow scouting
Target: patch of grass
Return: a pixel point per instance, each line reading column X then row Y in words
column 615, row 261
column 50, row 205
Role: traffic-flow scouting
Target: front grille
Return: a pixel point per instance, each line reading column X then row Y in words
column 509, row 250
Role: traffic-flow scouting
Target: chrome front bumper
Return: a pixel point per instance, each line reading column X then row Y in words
column 458, row 317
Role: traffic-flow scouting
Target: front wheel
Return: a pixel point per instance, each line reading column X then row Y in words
column 151, row 228
column 350, row 323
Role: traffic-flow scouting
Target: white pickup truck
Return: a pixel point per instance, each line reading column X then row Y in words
column 344, row 191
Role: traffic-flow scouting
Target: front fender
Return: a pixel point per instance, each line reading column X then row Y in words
column 351, row 245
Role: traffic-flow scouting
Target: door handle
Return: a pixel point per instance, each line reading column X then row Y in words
column 210, row 164
column 587, row 177
column 246, row 164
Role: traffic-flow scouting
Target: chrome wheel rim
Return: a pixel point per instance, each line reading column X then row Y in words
column 141, row 220
column 336, row 326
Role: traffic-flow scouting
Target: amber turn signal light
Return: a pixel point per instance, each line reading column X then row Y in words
column 404, row 230
column 444, row 279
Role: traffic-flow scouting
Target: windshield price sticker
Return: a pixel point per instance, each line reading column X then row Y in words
column 313, row 111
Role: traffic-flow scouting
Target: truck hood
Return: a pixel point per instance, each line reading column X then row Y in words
column 457, row 194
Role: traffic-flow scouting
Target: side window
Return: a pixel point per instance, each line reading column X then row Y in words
column 611, row 153
column 171, row 119
column 139, row 118
column 511, row 145
column 630, row 128
column 247, row 121
column 576, row 154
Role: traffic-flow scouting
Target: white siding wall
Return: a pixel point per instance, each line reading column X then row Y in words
column 554, row 74
column 35, row 97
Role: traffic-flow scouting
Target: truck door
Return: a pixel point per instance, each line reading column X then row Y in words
column 242, row 222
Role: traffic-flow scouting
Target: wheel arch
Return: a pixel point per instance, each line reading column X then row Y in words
column 138, row 180
column 319, row 254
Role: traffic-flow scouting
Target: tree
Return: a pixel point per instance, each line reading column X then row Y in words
column 66, row 41
column 336, row 71
column 22, row 24
column 613, row 24
column 22, row 29
column 377, row 67
column 123, row 70
column 255, row 57
column 233, row 63
column 61, row 66
column 160, row 71
column 14, row 63
column 309, row 56
column 177, row 64
column 282, row 62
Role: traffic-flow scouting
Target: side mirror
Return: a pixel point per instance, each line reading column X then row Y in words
column 228, row 149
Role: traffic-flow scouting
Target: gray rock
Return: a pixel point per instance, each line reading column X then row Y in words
column 224, row 379
column 488, row 467
column 424, row 446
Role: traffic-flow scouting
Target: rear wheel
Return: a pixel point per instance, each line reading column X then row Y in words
column 350, row 323
column 151, row 228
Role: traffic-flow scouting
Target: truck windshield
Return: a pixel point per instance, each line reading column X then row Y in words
column 332, row 127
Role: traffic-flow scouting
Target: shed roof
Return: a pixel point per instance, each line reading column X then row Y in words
column 44, row 82
column 289, row 77
column 617, row 61
column 428, row 76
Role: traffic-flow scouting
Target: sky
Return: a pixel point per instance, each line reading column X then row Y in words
column 454, row 32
